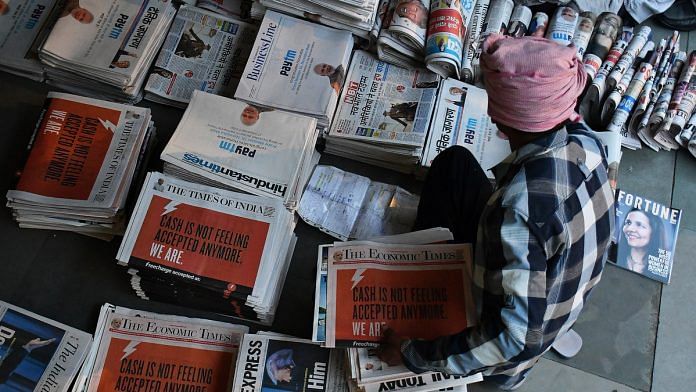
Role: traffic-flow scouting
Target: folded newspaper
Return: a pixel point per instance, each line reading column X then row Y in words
column 203, row 51
column 220, row 243
column 81, row 162
column 23, row 26
column 348, row 206
column 403, row 34
column 383, row 114
column 104, row 48
column 297, row 66
column 461, row 119
column 139, row 350
column 36, row 353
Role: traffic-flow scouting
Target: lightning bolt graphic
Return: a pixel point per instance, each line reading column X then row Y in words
column 130, row 349
column 108, row 125
column 171, row 206
column 357, row 277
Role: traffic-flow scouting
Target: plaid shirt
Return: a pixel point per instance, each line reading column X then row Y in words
column 541, row 245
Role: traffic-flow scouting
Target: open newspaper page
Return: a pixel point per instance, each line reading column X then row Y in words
column 385, row 103
column 81, row 152
column 421, row 291
column 36, row 353
column 140, row 350
column 203, row 51
column 646, row 236
column 297, row 66
column 348, row 206
column 461, row 118
column 22, row 26
column 241, row 146
column 270, row 362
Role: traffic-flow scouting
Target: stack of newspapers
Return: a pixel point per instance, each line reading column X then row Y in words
column 227, row 143
column 383, row 114
column 139, row 350
column 23, row 25
column 81, row 161
column 203, row 51
column 356, row 16
column 105, row 48
column 208, row 248
column 245, row 9
column 297, row 66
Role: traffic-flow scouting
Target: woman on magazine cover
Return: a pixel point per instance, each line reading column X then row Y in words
column 642, row 235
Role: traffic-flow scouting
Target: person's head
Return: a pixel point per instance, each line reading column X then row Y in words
column 413, row 10
column 643, row 231
column 121, row 64
column 324, row 69
column 82, row 15
column 456, row 91
column 532, row 83
column 3, row 7
column 250, row 115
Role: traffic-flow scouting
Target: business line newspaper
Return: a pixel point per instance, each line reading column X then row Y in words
column 203, row 51
column 37, row 353
column 138, row 350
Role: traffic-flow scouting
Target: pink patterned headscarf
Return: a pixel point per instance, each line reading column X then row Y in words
column 533, row 83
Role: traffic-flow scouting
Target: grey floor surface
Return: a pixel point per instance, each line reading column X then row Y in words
column 638, row 334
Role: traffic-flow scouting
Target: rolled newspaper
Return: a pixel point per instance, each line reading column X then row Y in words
column 409, row 23
column 629, row 55
column 538, row 25
column 443, row 48
column 649, row 93
column 382, row 14
column 615, row 95
column 390, row 48
column 685, row 109
column 583, row 32
column 562, row 25
column 688, row 131
column 607, row 28
column 519, row 21
column 499, row 12
column 662, row 103
column 663, row 135
column 692, row 145
column 643, row 128
column 472, row 41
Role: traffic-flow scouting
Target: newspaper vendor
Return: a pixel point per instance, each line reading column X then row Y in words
column 544, row 230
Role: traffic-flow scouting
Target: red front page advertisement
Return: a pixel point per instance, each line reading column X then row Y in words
column 69, row 150
column 201, row 241
column 415, row 303
column 142, row 366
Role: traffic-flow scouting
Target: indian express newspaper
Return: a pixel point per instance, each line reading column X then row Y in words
column 269, row 362
column 203, row 51
column 23, row 25
column 297, row 66
column 461, row 119
column 385, row 103
column 421, row 291
column 143, row 351
column 36, row 353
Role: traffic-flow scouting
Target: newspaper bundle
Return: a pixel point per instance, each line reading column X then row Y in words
column 497, row 19
column 668, row 129
column 104, row 48
column 383, row 114
column 231, row 244
column 234, row 145
column 38, row 354
column 562, row 26
column 583, row 32
column 23, row 26
column 607, row 28
column 519, row 21
column 461, row 119
column 404, row 31
column 473, row 41
column 81, row 162
column 296, row 66
column 348, row 206
column 136, row 350
column 357, row 16
column 446, row 29
column 203, row 51
column 647, row 133
column 633, row 51
column 272, row 362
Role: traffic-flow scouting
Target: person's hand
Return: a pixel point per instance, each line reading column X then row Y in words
column 390, row 349
column 36, row 343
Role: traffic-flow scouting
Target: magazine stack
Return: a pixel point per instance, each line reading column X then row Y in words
column 227, row 143
column 273, row 362
column 461, row 119
column 208, row 248
column 23, row 26
column 356, row 16
column 203, row 51
column 383, row 114
column 139, row 350
column 105, row 48
column 297, row 66
column 81, row 161
column 36, row 353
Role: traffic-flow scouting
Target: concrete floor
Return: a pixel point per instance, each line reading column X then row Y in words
column 638, row 334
